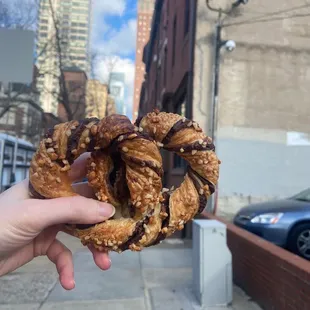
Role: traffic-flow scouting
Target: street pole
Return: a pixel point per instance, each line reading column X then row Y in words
column 215, row 95
column 215, row 92
column 215, row 87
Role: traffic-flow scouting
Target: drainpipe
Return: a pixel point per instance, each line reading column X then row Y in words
column 215, row 95
column 216, row 72
column 2, row 144
column 192, row 39
column 218, row 42
column 13, row 173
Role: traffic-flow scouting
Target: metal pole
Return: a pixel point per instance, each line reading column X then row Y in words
column 215, row 94
column 13, row 173
column 218, row 42
column 2, row 142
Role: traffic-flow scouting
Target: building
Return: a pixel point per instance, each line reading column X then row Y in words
column 99, row 103
column 111, row 109
column 117, row 88
column 73, row 96
column 65, row 45
column 96, row 99
column 145, row 13
column 20, row 114
column 49, row 121
column 260, row 118
column 167, row 64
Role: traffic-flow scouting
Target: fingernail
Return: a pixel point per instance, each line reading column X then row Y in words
column 106, row 210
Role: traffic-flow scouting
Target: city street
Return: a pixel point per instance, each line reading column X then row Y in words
column 158, row 278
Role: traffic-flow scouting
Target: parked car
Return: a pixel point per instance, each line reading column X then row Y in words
column 285, row 222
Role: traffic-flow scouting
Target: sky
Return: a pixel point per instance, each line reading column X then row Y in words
column 114, row 37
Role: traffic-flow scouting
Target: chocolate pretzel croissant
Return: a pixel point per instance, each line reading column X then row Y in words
column 125, row 169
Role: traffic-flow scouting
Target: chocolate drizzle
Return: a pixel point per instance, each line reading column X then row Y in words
column 49, row 133
column 34, row 193
column 136, row 236
column 145, row 163
column 114, row 149
column 84, row 226
column 194, row 176
column 138, row 121
column 198, row 182
column 73, row 140
column 181, row 124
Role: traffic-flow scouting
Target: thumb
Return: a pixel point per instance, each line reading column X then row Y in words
column 77, row 210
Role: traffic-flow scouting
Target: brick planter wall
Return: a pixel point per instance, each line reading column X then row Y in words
column 275, row 278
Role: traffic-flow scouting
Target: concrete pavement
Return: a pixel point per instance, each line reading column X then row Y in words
column 158, row 278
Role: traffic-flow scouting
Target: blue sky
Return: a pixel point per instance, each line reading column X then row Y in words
column 115, row 26
column 114, row 37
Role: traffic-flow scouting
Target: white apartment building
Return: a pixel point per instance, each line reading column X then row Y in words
column 68, row 46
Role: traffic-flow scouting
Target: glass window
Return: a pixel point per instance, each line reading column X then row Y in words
column 21, row 156
column 178, row 162
column 8, row 155
column 6, row 176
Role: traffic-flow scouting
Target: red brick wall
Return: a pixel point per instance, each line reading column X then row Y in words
column 76, row 94
column 168, row 79
column 274, row 278
column 143, row 34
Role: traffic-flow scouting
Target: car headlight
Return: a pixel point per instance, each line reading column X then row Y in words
column 267, row 218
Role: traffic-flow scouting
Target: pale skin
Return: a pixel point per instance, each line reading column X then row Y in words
column 28, row 227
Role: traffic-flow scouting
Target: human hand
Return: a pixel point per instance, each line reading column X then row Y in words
column 28, row 227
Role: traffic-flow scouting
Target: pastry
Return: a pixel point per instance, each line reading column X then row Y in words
column 125, row 169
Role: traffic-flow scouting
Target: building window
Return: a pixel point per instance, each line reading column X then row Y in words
column 186, row 17
column 174, row 40
column 178, row 162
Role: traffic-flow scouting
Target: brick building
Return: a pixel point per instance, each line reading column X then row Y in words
column 263, row 106
column 20, row 113
column 74, row 95
column 145, row 13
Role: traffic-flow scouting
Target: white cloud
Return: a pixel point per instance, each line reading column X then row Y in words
column 109, row 7
column 122, row 42
column 124, row 65
column 100, row 10
column 114, row 43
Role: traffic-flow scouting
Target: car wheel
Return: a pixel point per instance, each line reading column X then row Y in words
column 299, row 241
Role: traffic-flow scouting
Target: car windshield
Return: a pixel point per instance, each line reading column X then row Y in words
column 302, row 196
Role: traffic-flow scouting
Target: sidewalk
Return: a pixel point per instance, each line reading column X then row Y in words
column 158, row 278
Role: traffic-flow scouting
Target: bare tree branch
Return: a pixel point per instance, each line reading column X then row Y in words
column 18, row 14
